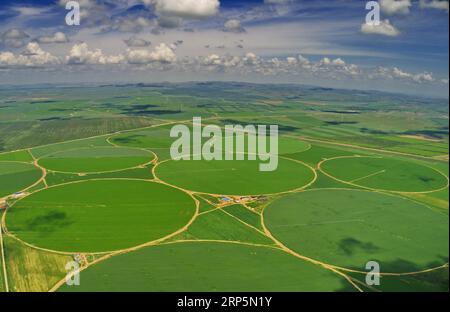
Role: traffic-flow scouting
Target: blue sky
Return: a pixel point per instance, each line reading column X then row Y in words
column 323, row 42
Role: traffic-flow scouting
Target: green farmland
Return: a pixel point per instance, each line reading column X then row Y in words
column 15, row 177
column 360, row 177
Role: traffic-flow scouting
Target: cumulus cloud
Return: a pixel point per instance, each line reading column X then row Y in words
column 397, row 73
column 80, row 54
column 233, row 25
column 212, row 60
column 385, row 28
column 14, row 38
column 434, row 4
column 196, row 9
column 137, row 42
column 58, row 37
column 161, row 54
column 392, row 7
column 32, row 56
column 251, row 59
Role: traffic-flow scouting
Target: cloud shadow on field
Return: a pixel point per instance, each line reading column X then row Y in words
column 48, row 222
column 129, row 139
column 350, row 245
column 436, row 280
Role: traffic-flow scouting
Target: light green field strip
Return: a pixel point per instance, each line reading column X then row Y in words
column 33, row 270
column 208, row 267
column 16, row 176
column 23, row 156
column 98, row 159
column 354, row 227
column 99, row 215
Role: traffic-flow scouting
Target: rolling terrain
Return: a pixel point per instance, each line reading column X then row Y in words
column 363, row 176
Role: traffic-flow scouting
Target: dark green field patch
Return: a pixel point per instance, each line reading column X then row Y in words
column 208, row 267
column 16, row 176
column 157, row 138
column 100, row 215
column 349, row 228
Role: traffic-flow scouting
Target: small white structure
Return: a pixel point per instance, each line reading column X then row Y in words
column 18, row 195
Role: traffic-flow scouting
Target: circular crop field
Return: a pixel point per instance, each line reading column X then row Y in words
column 385, row 174
column 100, row 215
column 349, row 228
column 208, row 267
column 96, row 159
column 235, row 177
column 16, row 176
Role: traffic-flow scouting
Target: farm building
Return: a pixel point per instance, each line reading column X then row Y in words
column 18, row 195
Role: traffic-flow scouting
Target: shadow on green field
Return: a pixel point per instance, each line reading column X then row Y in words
column 129, row 139
column 350, row 245
column 432, row 281
column 49, row 222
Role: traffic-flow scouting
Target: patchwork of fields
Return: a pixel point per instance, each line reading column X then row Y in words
column 135, row 220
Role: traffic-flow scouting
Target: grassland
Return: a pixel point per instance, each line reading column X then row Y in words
column 98, row 216
column 353, row 227
column 374, row 168
column 208, row 267
column 218, row 226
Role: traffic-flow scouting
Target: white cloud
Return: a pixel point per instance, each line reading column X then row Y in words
column 392, row 7
column 195, row 9
column 58, row 37
column 397, row 73
column 162, row 54
column 233, row 25
column 81, row 55
column 251, row 59
column 32, row 56
column 434, row 4
column 384, row 28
